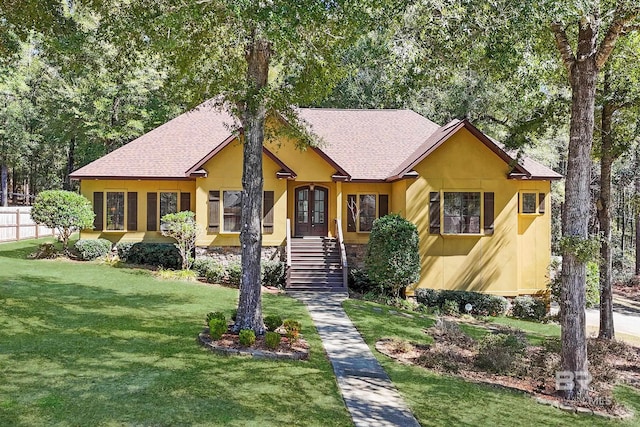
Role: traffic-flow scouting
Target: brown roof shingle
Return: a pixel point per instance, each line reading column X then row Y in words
column 373, row 145
column 168, row 151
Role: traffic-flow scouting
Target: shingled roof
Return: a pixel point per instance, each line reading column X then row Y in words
column 367, row 145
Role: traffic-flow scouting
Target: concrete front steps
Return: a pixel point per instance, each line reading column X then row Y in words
column 315, row 265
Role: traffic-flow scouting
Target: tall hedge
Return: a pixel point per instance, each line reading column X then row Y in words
column 392, row 260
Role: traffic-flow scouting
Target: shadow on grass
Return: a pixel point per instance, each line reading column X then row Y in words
column 98, row 350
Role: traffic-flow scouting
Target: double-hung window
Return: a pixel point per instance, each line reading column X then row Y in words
column 364, row 209
column 115, row 211
column 530, row 202
column 461, row 212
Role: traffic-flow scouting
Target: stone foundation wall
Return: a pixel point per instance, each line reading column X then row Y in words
column 231, row 254
column 355, row 255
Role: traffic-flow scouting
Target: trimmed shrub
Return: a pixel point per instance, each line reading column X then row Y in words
column 217, row 327
column 90, row 249
column 164, row 255
column 233, row 274
column 123, row 249
column 529, row 308
column 360, row 282
column 392, row 259
column 247, row 337
column 215, row 315
column 182, row 227
column 210, row 269
column 498, row 353
column 481, row 304
column 272, row 322
column 292, row 328
column 273, row 273
column 451, row 308
column 272, row 339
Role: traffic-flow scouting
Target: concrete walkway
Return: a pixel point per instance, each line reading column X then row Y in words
column 368, row 392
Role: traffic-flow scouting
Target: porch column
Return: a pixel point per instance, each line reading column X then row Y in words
column 339, row 200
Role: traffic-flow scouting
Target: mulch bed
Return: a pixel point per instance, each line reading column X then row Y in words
column 229, row 344
column 454, row 353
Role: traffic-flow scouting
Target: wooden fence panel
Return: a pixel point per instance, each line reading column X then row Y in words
column 16, row 224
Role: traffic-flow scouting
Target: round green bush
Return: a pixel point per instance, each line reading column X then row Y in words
column 247, row 337
column 90, row 249
column 217, row 327
column 273, row 273
column 215, row 315
column 529, row 308
column 272, row 340
column 210, row 269
column 272, row 322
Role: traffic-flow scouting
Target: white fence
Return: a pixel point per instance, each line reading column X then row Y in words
column 16, row 224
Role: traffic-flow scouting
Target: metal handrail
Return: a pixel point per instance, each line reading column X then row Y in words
column 343, row 253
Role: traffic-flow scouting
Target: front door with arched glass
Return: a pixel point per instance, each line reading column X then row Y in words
column 311, row 211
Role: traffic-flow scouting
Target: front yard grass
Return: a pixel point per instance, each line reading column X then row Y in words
column 88, row 344
column 443, row 400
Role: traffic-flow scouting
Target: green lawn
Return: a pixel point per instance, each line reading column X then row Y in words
column 442, row 400
column 88, row 344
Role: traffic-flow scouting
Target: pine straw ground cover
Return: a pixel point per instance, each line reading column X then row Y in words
column 439, row 378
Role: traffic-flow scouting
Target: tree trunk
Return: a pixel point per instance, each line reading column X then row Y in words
column 4, row 185
column 637, row 179
column 583, row 77
column 70, row 163
column 604, row 218
column 253, row 117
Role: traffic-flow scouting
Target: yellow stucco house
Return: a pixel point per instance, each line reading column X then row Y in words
column 483, row 217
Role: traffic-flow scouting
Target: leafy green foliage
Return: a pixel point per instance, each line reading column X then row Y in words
column 481, row 304
column 63, row 210
column 214, row 315
column 210, row 269
column 592, row 283
column 247, row 337
column 272, row 322
column 233, row 274
column 272, row 339
column 392, row 259
column 181, row 226
column 450, row 308
column 292, row 328
column 498, row 353
column 529, row 308
column 217, row 327
column 90, row 249
column 155, row 254
column 274, row 273
column 360, row 282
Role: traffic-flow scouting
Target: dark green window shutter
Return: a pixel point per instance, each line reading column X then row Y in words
column 352, row 212
column 434, row 212
column 214, row 211
column 541, row 197
column 185, row 201
column 267, row 212
column 383, row 205
column 98, row 209
column 489, row 213
column 132, row 211
column 152, row 211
